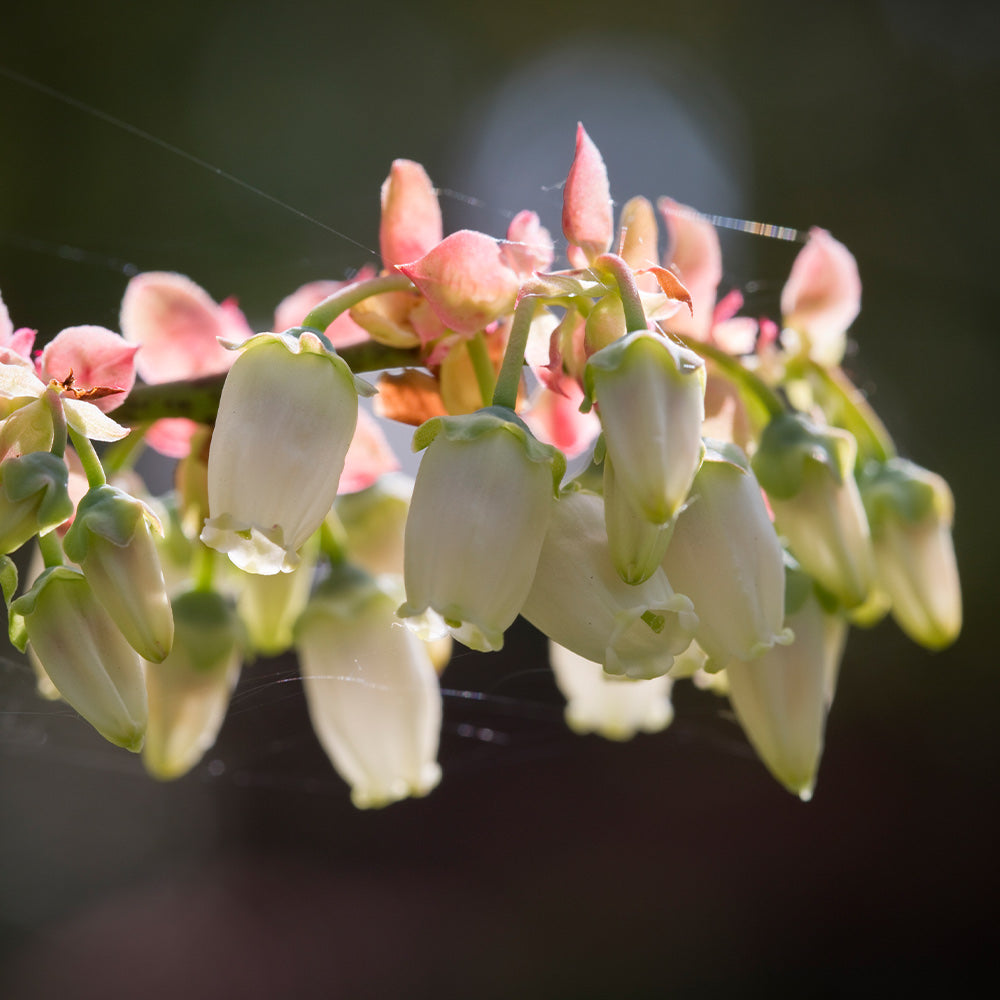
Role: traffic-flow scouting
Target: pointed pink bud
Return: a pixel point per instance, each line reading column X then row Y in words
column 465, row 281
column 528, row 247
column 294, row 308
column 178, row 326
column 695, row 254
column 822, row 296
column 411, row 215
column 586, row 217
column 368, row 456
column 97, row 359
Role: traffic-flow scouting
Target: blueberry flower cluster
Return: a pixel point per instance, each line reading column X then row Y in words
column 733, row 503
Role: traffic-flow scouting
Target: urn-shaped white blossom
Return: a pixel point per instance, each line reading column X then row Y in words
column 725, row 556
column 782, row 698
column 480, row 509
column 808, row 474
column 371, row 688
column 615, row 707
column 910, row 511
column 111, row 541
column 580, row 602
column 189, row 691
column 650, row 396
column 84, row 654
column 286, row 417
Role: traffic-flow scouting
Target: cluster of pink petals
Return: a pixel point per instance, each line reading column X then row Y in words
column 822, row 296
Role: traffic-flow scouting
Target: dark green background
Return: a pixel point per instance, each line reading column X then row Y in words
column 544, row 865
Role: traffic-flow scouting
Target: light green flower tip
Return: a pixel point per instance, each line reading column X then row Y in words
column 790, row 443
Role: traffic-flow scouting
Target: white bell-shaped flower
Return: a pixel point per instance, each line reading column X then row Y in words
column 910, row 511
column 615, row 707
column 580, row 602
column 111, row 541
column 782, row 698
column 725, row 556
column 286, row 417
column 84, row 654
column 650, row 396
column 372, row 691
column 808, row 474
column 189, row 691
column 480, row 508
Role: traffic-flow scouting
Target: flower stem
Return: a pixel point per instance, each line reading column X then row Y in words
column 614, row 266
column 342, row 300
column 51, row 550
column 88, row 459
column 55, row 406
column 333, row 539
column 202, row 568
column 482, row 366
column 505, row 390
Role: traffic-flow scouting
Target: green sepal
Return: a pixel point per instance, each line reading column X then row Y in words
column 212, row 624
column 305, row 340
column 726, row 452
column 21, row 608
column 109, row 513
column 40, row 472
column 638, row 347
column 471, row 426
column 790, row 441
column 900, row 489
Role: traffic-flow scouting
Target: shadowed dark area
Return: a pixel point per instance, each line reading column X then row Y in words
column 545, row 865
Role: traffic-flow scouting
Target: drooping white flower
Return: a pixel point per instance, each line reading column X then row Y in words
column 189, row 691
column 580, row 602
column 110, row 539
column 910, row 511
column 808, row 474
column 615, row 707
column 725, row 556
column 480, row 508
column 372, row 691
column 286, row 417
column 85, row 655
column 782, row 698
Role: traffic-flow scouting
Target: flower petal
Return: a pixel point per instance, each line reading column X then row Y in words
column 587, row 221
column 178, row 326
column 97, row 358
column 411, row 215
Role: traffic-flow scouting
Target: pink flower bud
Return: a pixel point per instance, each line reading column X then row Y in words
column 411, row 215
column 586, row 217
column 465, row 280
column 822, row 296
column 528, row 247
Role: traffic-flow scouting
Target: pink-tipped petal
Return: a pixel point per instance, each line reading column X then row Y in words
column 528, row 247
column 586, row 217
column 465, row 281
column 694, row 252
column 822, row 296
column 177, row 325
column 294, row 308
column 411, row 216
column 6, row 326
column 98, row 358
column 368, row 456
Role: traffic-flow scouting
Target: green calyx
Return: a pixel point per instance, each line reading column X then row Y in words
column 302, row 340
column 639, row 348
column 110, row 513
column 206, row 628
column 24, row 606
column 43, row 473
column 789, row 443
column 900, row 490
column 491, row 420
